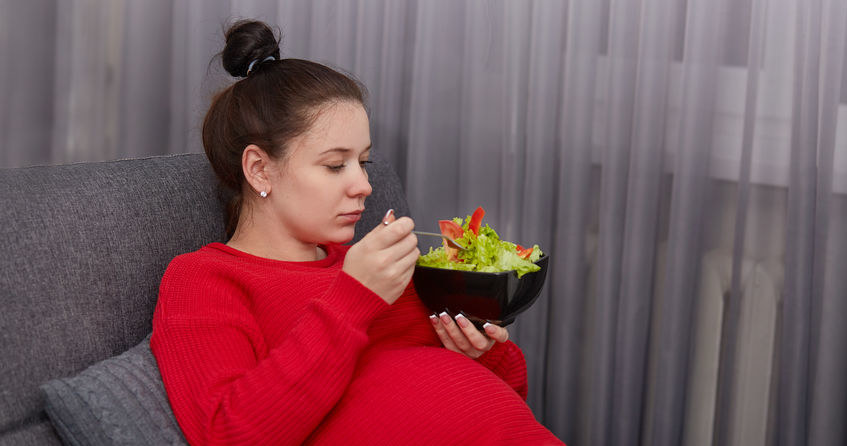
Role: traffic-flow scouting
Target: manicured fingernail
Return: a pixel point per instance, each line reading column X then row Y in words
column 462, row 320
column 445, row 317
column 486, row 325
column 434, row 319
column 385, row 220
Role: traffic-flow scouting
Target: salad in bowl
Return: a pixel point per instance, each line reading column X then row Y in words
column 487, row 280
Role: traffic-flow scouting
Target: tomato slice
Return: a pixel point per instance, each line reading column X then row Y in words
column 454, row 231
column 524, row 253
column 476, row 220
column 450, row 229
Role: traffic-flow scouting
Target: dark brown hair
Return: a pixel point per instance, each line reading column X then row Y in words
column 276, row 102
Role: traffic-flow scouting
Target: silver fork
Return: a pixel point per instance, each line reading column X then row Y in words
column 449, row 240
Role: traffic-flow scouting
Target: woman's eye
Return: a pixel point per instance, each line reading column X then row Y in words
column 336, row 168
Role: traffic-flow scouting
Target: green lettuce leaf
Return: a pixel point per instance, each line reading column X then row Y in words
column 485, row 252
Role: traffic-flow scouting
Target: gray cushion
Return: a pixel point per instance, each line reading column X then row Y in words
column 119, row 401
column 84, row 248
column 36, row 432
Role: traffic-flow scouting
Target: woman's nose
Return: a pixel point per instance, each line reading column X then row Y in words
column 360, row 185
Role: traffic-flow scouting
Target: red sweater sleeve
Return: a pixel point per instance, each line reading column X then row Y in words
column 506, row 360
column 206, row 348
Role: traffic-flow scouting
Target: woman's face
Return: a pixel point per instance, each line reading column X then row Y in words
column 319, row 192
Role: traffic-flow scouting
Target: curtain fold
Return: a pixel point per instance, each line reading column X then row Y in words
column 800, row 243
column 641, row 232
column 683, row 163
column 26, row 114
column 726, row 386
column 536, row 218
column 815, row 425
column 620, row 79
column 690, row 188
column 577, row 206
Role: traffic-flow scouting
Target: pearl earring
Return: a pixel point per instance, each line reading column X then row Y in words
column 263, row 194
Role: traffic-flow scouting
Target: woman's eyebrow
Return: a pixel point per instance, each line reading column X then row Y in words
column 343, row 150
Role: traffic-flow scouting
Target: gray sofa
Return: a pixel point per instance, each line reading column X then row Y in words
column 83, row 249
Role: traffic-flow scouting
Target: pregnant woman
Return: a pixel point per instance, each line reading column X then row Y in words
column 283, row 335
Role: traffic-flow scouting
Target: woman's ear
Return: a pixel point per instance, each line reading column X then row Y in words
column 255, row 164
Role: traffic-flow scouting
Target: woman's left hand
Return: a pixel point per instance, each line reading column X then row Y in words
column 462, row 336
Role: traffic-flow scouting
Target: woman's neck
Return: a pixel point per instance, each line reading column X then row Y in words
column 271, row 243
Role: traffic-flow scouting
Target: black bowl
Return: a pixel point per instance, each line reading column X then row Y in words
column 481, row 297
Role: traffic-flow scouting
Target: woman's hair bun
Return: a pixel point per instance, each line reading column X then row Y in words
column 246, row 41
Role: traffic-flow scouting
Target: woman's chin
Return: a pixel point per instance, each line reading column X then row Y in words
column 341, row 237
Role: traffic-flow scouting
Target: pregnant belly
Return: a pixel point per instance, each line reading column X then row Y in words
column 428, row 395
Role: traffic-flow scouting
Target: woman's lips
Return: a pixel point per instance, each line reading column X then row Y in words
column 352, row 217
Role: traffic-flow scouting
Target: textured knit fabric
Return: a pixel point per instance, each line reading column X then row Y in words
column 118, row 401
column 259, row 351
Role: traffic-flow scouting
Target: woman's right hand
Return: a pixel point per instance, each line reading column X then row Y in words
column 384, row 259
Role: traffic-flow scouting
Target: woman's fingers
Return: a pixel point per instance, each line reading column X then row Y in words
column 389, row 217
column 384, row 259
column 461, row 335
column 388, row 244
column 474, row 336
column 407, row 265
column 388, row 235
column 409, row 250
column 496, row 332
column 408, row 245
column 442, row 334
column 455, row 334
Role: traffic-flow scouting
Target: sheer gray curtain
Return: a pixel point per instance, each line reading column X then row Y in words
column 684, row 162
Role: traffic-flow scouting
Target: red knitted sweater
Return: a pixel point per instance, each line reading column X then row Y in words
column 259, row 351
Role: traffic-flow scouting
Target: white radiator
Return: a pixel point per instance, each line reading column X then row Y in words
column 751, row 397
